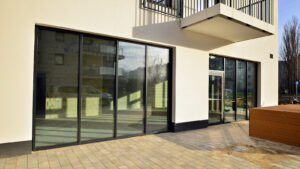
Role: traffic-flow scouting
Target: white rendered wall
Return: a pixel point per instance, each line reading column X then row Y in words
column 122, row 19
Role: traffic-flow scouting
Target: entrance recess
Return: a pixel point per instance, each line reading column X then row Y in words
column 216, row 85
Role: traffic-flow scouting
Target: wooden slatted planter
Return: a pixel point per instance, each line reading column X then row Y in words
column 276, row 123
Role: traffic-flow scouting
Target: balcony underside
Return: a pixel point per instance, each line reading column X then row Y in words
column 227, row 23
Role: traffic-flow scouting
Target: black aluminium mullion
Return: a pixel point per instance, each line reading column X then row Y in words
column 236, row 78
column 145, row 89
column 34, row 87
column 246, row 90
column 79, row 90
column 223, row 93
column 170, row 90
column 81, row 35
column 116, row 89
column 256, row 85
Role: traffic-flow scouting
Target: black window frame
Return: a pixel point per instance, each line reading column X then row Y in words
column 117, row 40
column 236, row 79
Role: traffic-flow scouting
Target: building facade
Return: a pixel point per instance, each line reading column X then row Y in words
column 75, row 71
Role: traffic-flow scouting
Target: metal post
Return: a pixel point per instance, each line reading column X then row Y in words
column 297, row 78
column 79, row 89
column 145, row 94
column 116, row 89
column 249, row 7
column 181, row 8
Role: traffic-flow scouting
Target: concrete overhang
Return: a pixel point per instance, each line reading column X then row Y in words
column 224, row 22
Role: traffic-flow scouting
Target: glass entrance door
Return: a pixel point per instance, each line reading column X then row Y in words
column 215, row 98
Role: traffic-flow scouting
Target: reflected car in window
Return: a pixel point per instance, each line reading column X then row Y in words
column 87, row 91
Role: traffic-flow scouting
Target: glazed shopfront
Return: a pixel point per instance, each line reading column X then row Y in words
column 91, row 88
column 232, row 89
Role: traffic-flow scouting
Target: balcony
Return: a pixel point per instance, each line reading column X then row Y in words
column 231, row 20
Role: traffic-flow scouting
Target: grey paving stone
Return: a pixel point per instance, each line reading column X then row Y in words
column 224, row 146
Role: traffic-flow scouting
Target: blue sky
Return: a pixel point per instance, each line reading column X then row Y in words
column 287, row 9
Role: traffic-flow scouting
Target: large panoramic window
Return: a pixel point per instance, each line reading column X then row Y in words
column 90, row 88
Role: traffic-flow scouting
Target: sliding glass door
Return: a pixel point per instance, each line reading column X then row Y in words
column 90, row 88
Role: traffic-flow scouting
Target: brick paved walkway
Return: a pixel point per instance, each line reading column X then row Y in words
column 222, row 146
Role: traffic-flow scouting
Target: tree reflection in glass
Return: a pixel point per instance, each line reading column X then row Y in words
column 230, row 91
column 131, row 78
column 241, row 99
column 157, row 91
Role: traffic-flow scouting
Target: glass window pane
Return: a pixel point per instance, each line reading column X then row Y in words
column 230, row 90
column 216, row 63
column 97, row 89
column 215, row 99
column 251, row 95
column 157, row 91
column 241, row 90
column 56, row 88
column 131, row 79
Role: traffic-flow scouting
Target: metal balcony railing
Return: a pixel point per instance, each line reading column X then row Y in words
column 260, row 9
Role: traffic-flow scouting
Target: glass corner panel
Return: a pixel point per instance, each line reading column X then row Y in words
column 56, row 88
column 157, row 91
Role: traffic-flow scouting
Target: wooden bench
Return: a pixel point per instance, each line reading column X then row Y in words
column 276, row 123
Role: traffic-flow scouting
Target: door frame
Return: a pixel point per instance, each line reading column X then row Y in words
column 222, row 75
